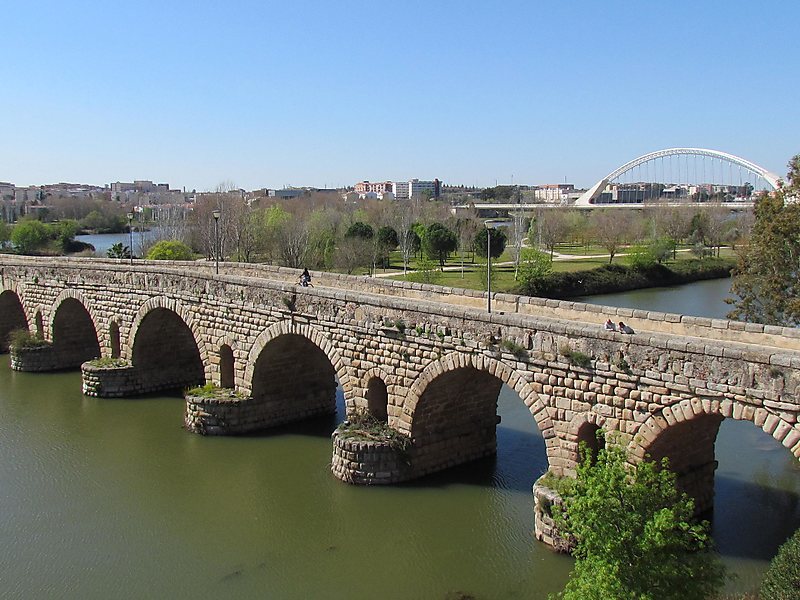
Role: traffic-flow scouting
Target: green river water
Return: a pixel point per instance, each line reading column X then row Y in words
column 113, row 499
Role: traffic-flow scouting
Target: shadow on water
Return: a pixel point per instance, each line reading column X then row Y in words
column 750, row 519
column 519, row 462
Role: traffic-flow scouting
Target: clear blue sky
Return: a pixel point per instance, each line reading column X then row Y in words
column 329, row 93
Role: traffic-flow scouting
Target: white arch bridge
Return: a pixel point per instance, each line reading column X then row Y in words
column 592, row 194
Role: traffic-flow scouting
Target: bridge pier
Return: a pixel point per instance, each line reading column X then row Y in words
column 120, row 381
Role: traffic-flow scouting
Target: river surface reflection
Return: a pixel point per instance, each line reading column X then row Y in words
column 112, row 498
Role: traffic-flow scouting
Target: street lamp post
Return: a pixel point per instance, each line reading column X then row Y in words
column 130, row 236
column 216, row 214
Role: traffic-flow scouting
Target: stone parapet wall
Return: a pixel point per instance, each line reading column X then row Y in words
column 369, row 462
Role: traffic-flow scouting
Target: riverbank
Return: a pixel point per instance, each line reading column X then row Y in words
column 613, row 278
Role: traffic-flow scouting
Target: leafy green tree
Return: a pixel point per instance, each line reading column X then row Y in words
column 170, row 250
column 29, row 236
column 5, row 234
column 498, row 242
column 767, row 276
column 636, row 538
column 118, row 250
column 782, row 581
column 533, row 265
column 360, row 230
column 386, row 240
column 65, row 232
column 439, row 242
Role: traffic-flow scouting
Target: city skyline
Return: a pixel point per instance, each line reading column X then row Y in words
column 321, row 95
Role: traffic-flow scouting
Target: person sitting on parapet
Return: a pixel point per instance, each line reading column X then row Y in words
column 610, row 325
column 622, row 328
column 305, row 278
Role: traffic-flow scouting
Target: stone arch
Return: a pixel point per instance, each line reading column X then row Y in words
column 389, row 381
column 291, row 374
column 73, row 329
column 12, row 316
column 664, row 434
column 451, row 411
column 583, row 429
column 226, row 366
column 480, row 362
column 377, row 398
column 178, row 308
column 313, row 335
column 39, row 322
column 114, row 340
column 158, row 366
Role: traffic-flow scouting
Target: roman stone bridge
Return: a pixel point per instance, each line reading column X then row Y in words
column 427, row 360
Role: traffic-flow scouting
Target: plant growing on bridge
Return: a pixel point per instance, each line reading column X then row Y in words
column 636, row 537
column 575, row 357
column 363, row 426
column 22, row 339
column 514, row 348
column 108, row 362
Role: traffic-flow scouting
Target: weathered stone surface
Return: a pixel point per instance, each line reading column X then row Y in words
column 440, row 356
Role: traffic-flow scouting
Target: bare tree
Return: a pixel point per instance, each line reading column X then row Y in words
column 612, row 229
column 550, row 227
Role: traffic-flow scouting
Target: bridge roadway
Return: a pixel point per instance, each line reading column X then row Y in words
column 428, row 360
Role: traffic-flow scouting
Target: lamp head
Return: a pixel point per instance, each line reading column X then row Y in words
column 215, row 214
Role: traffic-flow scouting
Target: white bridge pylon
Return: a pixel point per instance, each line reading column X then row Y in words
column 590, row 195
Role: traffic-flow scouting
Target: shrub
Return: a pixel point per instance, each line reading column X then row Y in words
column 107, row 362
column 782, row 581
column 363, row 426
column 514, row 348
column 22, row 339
column 575, row 357
column 29, row 236
column 170, row 250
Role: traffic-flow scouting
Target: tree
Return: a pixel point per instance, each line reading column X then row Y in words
column 636, row 538
column 767, row 276
column 533, row 265
column 612, row 229
column 439, row 242
column 360, row 230
column 5, row 234
column 65, row 232
column 170, row 250
column 29, row 236
column 386, row 241
column 782, row 581
column 497, row 245
column 118, row 250
column 550, row 227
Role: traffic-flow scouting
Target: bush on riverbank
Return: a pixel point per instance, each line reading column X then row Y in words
column 782, row 580
column 619, row 278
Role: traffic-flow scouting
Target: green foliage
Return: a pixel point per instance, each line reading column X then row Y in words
column 170, row 250
column 211, row 390
column 439, row 242
column 22, row 339
column 426, row 272
column 363, row 426
column 65, row 232
column 499, row 240
column 618, row 278
column 533, row 265
column 782, row 580
column 499, row 192
column 107, row 362
column 29, row 235
column 576, row 357
column 5, row 234
column 514, row 348
column 118, row 250
column 640, row 257
column 767, row 276
column 636, row 538
column 360, row 230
